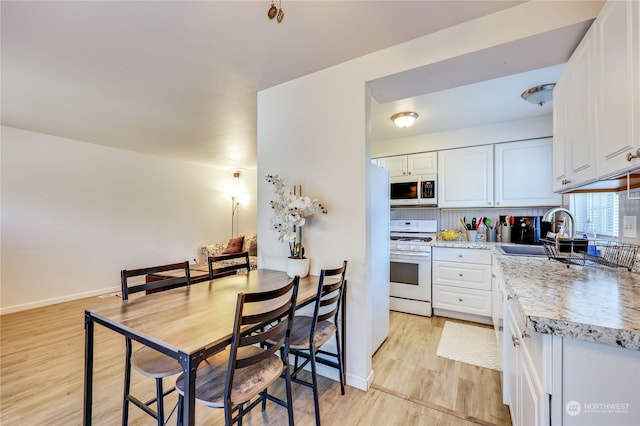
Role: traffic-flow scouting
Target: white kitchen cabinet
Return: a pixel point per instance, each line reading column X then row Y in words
column 465, row 177
column 462, row 283
column 528, row 401
column 563, row 381
column 412, row 164
column 524, row 174
column 574, row 120
column 597, row 101
column 618, row 98
column 560, row 101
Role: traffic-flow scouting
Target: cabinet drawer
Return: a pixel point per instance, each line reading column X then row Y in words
column 462, row 255
column 462, row 300
column 466, row 275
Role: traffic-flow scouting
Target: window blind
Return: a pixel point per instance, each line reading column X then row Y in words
column 601, row 208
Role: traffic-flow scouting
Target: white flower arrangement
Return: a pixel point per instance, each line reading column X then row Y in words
column 290, row 213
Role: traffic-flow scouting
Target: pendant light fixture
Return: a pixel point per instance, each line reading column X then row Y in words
column 404, row 119
column 539, row 95
column 276, row 12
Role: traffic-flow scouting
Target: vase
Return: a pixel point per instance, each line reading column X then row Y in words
column 297, row 266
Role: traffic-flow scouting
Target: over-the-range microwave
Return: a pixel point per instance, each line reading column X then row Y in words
column 414, row 190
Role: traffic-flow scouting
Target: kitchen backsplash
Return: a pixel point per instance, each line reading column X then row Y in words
column 450, row 218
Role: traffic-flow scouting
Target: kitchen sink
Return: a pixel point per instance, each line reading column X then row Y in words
column 522, row 250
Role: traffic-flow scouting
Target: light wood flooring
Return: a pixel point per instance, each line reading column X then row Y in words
column 41, row 380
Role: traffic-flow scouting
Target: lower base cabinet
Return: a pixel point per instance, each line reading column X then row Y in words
column 554, row 380
column 462, row 283
column 528, row 401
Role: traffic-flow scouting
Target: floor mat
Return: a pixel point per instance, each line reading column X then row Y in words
column 469, row 344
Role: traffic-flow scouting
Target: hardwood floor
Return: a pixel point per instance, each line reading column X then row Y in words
column 412, row 385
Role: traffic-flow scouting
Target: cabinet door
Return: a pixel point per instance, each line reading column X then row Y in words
column 422, row 164
column 617, row 56
column 534, row 408
column 579, row 127
column 524, row 174
column 465, row 177
column 397, row 166
column 560, row 102
column 511, row 366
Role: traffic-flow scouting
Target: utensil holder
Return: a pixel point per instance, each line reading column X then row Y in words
column 506, row 234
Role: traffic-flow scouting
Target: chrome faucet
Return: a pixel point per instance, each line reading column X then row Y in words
column 572, row 220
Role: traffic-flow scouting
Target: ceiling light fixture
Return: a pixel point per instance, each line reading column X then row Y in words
column 539, row 95
column 404, row 119
column 276, row 11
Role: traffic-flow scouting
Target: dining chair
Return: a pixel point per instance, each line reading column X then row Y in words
column 220, row 265
column 231, row 378
column 145, row 360
column 311, row 332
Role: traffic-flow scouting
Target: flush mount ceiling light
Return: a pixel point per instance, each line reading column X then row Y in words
column 404, row 119
column 539, row 95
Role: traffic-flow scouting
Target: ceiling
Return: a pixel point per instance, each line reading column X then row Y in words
column 179, row 79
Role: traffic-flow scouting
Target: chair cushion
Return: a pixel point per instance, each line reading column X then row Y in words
column 154, row 364
column 302, row 327
column 234, row 245
column 247, row 382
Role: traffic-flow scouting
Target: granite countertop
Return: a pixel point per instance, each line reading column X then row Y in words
column 593, row 303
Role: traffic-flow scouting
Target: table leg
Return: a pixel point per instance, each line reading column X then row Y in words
column 88, row 368
column 189, row 367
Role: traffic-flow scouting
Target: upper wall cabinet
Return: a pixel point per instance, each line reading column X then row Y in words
column 575, row 151
column 618, row 100
column 465, row 177
column 523, row 174
column 413, row 164
column 597, row 101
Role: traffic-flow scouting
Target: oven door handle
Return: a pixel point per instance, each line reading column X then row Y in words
column 424, row 255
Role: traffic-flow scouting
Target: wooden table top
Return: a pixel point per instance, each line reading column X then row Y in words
column 189, row 319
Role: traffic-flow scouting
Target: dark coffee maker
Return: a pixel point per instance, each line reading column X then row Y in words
column 526, row 230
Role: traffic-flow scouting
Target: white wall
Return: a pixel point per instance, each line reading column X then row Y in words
column 532, row 128
column 314, row 131
column 74, row 214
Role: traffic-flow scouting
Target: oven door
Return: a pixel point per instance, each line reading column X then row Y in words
column 410, row 275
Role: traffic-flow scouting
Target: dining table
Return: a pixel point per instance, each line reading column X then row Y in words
column 188, row 324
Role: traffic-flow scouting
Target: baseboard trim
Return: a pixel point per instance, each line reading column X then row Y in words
column 55, row 300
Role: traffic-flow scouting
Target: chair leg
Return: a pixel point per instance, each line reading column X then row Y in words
column 127, row 383
column 227, row 413
column 340, row 366
column 314, row 381
column 287, row 386
column 160, row 402
column 180, row 408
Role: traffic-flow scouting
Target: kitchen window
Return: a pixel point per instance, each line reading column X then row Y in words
column 601, row 207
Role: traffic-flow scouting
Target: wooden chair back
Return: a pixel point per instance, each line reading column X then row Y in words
column 329, row 297
column 154, row 285
column 217, row 271
column 267, row 323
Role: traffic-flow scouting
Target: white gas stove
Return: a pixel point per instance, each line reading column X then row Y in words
column 410, row 265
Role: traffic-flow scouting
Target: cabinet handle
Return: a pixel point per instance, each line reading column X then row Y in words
column 631, row 156
column 460, row 275
column 566, row 181
column 514, row 340
column 525, row 334
column 460, row 255
column 460, row 299
column 509, row 297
